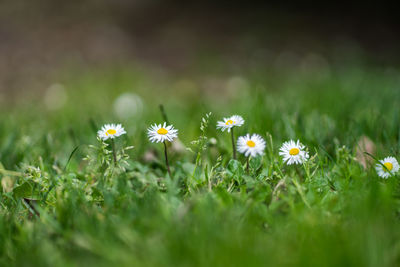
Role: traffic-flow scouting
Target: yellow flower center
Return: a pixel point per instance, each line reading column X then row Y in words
column 111, row 132
column 229, row 122
column 251, row 143
column 162, row 131
column 388, row 165
column 294, row 151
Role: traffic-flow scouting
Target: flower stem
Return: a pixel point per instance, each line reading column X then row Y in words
column 166, row 159
column 114, row 152
column 233, row 144
column 247, row 165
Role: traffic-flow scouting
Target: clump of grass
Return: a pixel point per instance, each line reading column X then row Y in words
column 125, row 210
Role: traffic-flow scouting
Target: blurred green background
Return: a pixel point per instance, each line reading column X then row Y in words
column 175, row 41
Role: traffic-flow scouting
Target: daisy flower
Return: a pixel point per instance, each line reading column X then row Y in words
column 161, row 133
column 293, row 152
column 110, row 131
column 251, row 145
column 229, row 123
column 387, row 167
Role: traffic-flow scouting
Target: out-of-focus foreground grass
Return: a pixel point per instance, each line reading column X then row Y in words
column 330, row 212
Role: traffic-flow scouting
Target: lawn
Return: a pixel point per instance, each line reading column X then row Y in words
column 64, row 202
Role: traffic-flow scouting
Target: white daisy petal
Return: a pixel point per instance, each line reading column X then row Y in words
column 251, row 145
column 387, row 167
column 110, row 131
column 162, row 132
column 229, row 123
column 293, row 152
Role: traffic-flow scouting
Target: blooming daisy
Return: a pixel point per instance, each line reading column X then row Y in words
column 229, row 123
column 293, row 152
column 161, row 133
column 251, row 145
column 387, row 167
column 110, row 131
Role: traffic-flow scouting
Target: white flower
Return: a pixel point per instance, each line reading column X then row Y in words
column 229, row 123
column 161, row 133
column 293, row 152
column 391, row 164
column 111, row 131
column 251, row 145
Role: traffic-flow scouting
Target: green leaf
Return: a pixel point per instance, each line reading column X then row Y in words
column 255, row 163
column 23, row 190
column 235, row 169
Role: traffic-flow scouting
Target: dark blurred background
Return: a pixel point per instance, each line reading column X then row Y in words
column 41, row 38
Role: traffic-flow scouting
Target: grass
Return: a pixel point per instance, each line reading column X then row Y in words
column 81, row 210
